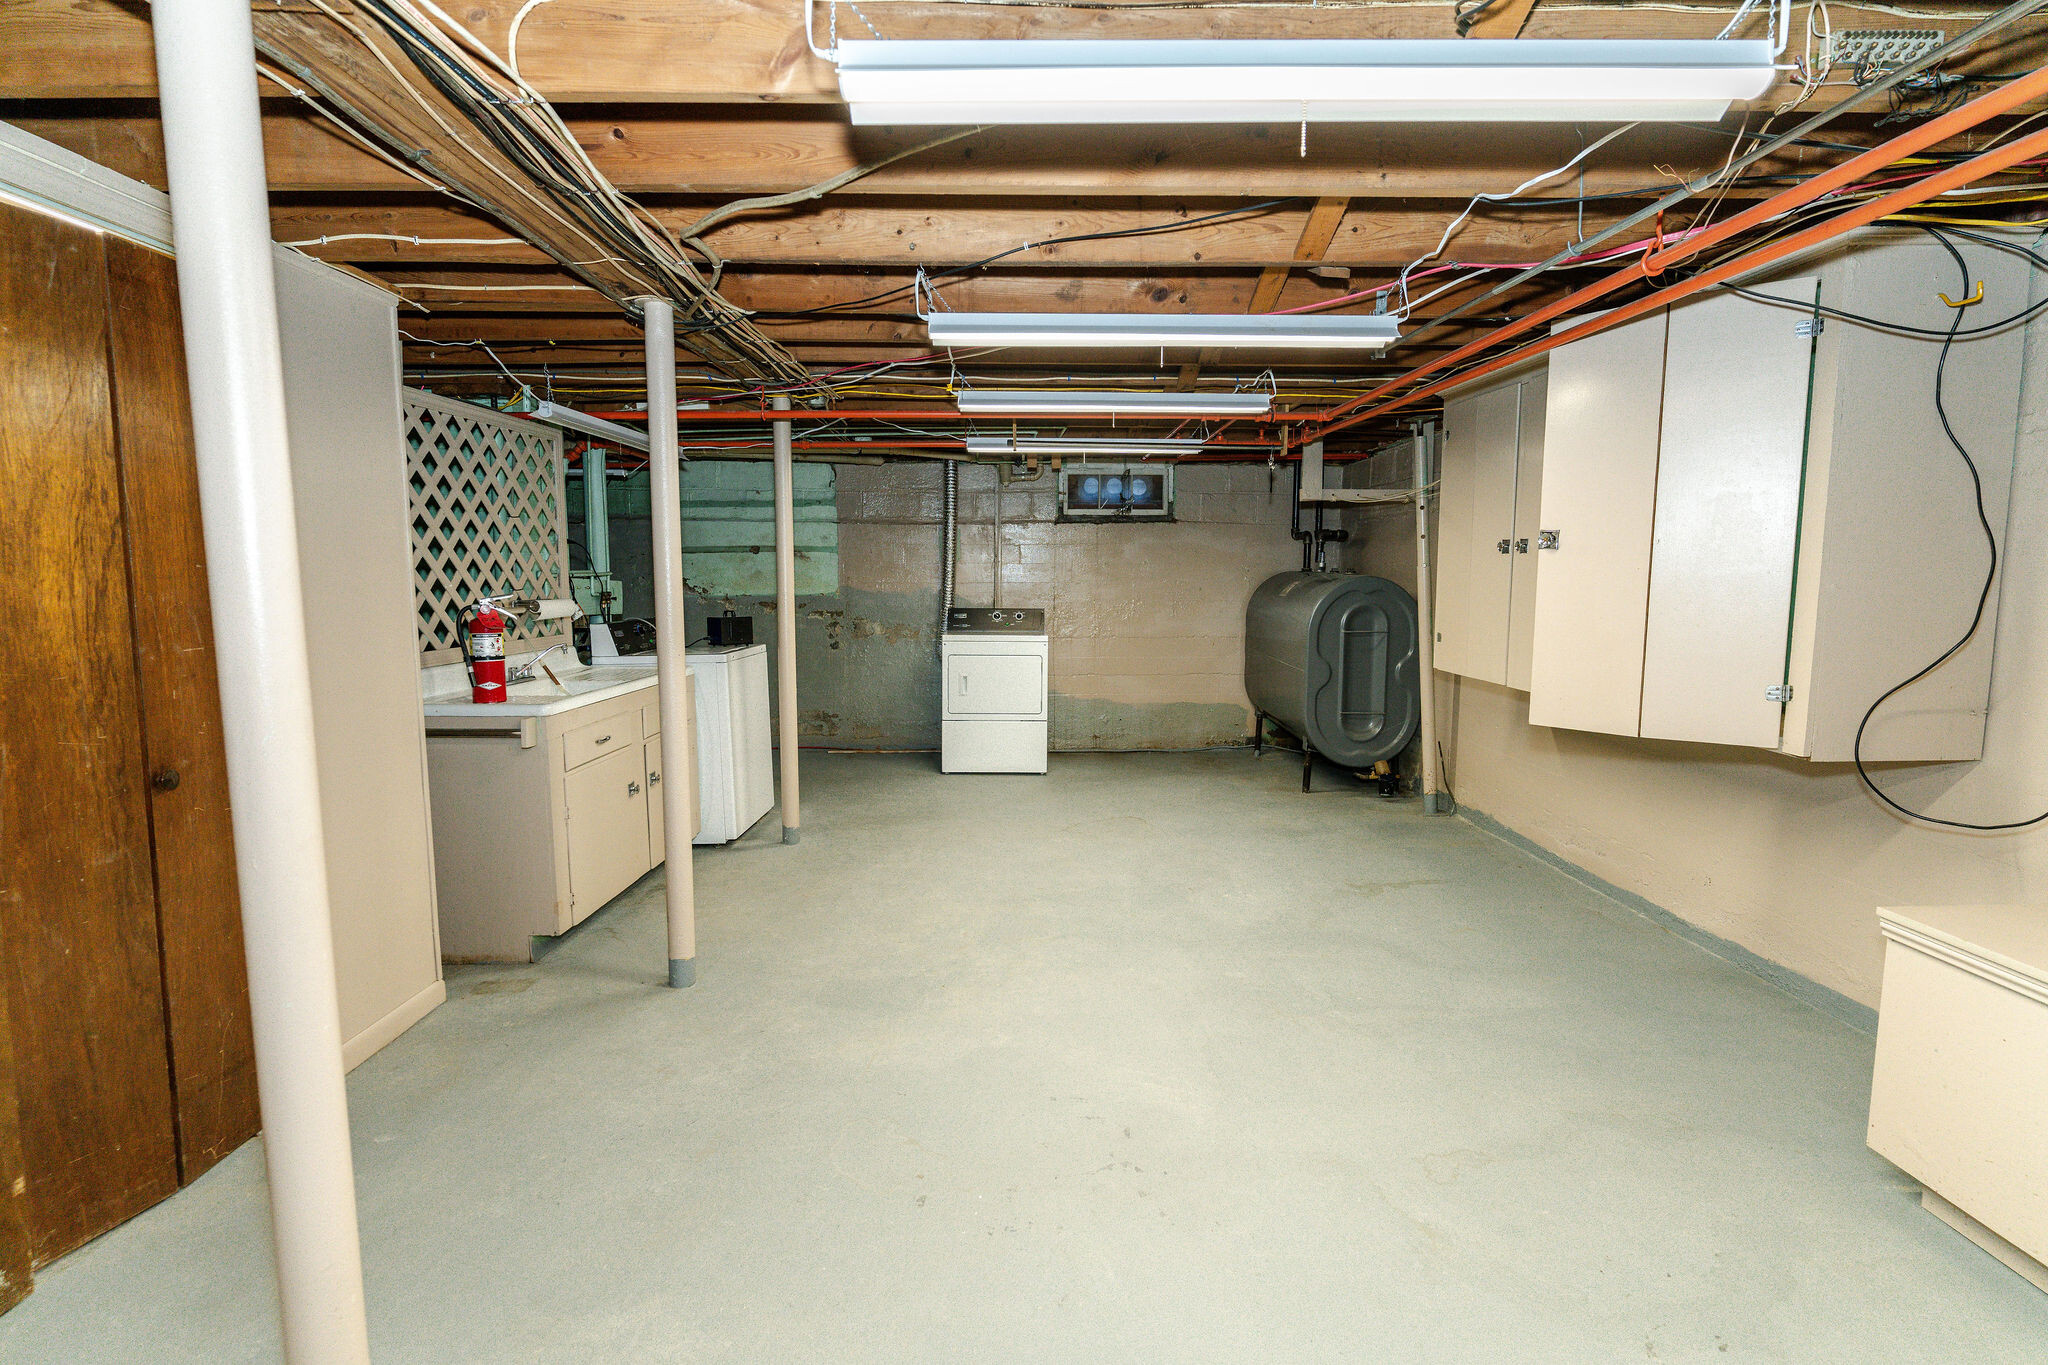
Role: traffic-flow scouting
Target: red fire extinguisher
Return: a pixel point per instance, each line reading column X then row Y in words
column 486, row 653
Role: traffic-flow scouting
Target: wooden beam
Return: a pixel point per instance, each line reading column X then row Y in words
column 744, row 51
column 742, row 151
column 1317, row 232
column 890, row 232
column 1502, row 19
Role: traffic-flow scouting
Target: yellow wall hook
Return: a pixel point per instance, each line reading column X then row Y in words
column 1977, row 297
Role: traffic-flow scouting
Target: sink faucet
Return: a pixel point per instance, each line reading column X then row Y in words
column 525, row 672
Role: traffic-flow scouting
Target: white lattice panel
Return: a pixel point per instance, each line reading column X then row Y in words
column 486, row 496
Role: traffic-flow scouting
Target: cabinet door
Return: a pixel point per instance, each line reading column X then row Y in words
column 1728, row 476
column 657, row 823
column 607, row 806
column 1599, row 495
column 1528, row 496
column 1475, row 534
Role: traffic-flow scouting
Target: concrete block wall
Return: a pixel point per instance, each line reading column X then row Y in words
column 1147, row 620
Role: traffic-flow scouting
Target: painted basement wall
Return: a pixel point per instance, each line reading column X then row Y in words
column 1147, row 621
column 1785, row 858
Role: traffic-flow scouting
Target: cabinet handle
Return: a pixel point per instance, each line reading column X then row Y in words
column 1546, row 540
column 604, row 739
column 632, row 789
column 1503, row 546
column 166, row 781
column 653, row 780
column 1522, row 546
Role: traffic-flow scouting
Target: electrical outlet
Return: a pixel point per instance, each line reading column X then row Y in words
column 1876, row 50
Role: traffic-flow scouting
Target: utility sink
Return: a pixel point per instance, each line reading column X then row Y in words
column 580, row 686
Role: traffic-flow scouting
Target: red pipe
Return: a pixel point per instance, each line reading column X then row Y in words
column 1976, row 168
column 898, row 415
column 1999, row 101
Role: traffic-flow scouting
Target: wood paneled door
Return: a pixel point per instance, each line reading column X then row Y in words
column 126, row 1066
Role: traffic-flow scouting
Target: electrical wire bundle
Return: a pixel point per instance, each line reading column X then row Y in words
column 531, row 173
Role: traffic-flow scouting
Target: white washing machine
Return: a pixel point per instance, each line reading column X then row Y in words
column 993, row 663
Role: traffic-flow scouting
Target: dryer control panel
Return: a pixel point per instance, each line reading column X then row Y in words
column 996, row 621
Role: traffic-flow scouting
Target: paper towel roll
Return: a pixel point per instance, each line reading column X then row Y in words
column 555, row 608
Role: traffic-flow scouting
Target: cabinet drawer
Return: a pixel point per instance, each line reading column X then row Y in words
column 599, row 738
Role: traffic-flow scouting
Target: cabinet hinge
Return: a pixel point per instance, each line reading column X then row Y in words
column 1778, row 692
column 1809, row 327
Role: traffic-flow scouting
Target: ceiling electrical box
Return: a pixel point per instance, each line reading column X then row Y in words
column 1874, row 51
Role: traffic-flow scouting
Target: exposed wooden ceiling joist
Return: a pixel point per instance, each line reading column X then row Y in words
column 741, row 152
column 686, row 51
column 907, row 234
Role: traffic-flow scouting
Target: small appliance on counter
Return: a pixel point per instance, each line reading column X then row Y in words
column 730, row 630
column 993, row 664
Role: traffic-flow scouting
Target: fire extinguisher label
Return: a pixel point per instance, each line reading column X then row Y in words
column 487, row 646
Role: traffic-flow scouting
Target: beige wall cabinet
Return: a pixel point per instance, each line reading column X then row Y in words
column 1492, row 471
column 1749, row 530
column 540, row 820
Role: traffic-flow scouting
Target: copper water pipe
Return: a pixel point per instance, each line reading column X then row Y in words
column 1999, row 101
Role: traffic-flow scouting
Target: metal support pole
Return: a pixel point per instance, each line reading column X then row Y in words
column 785, row 622
column 213, row 149
column 1425, row 612
column 671, row 641
column 597, row 511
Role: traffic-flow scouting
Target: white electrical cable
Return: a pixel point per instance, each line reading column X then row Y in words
column 1402, row 284
column 414, row 238
column 512, row 36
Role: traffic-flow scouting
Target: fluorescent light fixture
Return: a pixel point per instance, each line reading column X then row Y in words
column 1110, row 402
column 1085, row 331
column 555, row 415
column 1298, row 80
column 1135, row 448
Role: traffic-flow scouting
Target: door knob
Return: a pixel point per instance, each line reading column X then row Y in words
column 166, row 781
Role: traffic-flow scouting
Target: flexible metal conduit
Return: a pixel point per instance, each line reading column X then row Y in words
column 947, row 550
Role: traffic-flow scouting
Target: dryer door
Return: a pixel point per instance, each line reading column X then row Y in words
column 996, row 686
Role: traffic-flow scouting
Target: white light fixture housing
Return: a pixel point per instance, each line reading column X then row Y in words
column 555, row 415
column 1296, row 80
column 1110, row 403
column 1134, row 448
column 1105, row 331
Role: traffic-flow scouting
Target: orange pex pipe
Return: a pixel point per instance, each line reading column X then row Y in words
column 2002, row 100
column 1990, row 162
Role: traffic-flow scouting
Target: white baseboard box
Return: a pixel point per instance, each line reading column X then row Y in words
column 1957, row 1099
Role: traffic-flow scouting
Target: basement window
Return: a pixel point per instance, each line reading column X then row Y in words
column 1116, row 492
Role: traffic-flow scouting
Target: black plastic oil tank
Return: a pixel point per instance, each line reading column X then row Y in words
column 1330, row 657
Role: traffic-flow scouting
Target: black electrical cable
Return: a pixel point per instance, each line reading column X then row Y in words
column 1983, row 595
column 1903, row 329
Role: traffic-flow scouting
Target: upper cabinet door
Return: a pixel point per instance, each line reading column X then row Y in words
column 1528, row 508
column 1476, row 534
column 1599, row 498
column 1727, row 522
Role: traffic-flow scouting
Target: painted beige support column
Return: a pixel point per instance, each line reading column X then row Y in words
column 1425, row 613
column 671, row 641
column 785, row 624
column 213, row 152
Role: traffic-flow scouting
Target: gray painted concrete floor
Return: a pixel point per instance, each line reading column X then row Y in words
column 1150, row 1059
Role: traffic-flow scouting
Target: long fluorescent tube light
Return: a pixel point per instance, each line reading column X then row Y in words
column 1110, row 403
column 1081, row 445
column 1270, row 331
column 555, row 415
column 1298, row 80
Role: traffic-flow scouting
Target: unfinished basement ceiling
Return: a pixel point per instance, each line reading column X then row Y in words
column 687, row 106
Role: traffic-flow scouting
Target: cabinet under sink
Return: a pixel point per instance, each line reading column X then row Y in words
column 541, row 819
